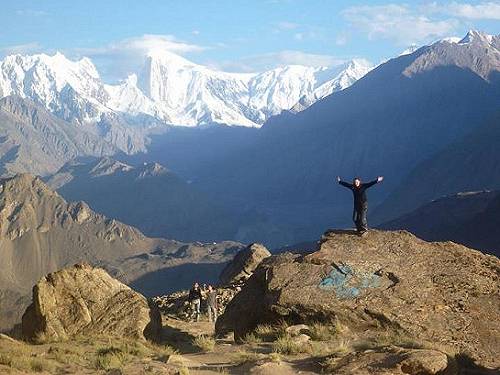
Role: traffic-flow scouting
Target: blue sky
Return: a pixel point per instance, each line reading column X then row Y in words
column 235, row 35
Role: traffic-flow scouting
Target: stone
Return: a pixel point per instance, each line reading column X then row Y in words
column 84, row 300
column 424, row 362
column 443, row 294
column 301, row 339
column 392, row 361
column 244, row 264
column 297, row 329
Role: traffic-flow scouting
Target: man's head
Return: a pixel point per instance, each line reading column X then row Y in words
column 196, row 286
column 210, row 288
column 356, row 182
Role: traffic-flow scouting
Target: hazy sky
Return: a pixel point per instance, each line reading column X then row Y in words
column 235, row 35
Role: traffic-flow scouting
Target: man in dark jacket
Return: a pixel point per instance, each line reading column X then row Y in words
column 194, row 299
column 360, row 201
column 212, row 304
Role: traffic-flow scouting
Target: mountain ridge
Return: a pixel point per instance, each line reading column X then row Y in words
column 202, row 96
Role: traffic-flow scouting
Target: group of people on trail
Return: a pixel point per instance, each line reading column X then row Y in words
column 196, row 296
column 360, row 201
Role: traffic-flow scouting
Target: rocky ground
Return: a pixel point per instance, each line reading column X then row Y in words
column 385, row 303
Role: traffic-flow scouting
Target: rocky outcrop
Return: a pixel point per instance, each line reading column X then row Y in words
column 86, row 300
column 392, row 361
column 243, row 264
column 438, row 293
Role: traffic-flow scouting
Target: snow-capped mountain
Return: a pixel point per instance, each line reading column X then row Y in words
column 343, row 76
column 183, row 93
column 171, row 89
column 55, row 82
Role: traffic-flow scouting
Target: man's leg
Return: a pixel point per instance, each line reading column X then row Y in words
column 209, row 313
column 197, row 304
column 362, row 219
column 355, row 218
column 214, row 313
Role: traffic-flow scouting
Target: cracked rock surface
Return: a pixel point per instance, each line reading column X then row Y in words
column 439, row 293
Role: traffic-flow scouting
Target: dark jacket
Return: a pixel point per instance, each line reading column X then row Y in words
column 359, row 193
column 194, row 294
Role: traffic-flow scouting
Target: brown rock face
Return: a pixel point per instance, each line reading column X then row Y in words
column 243, row 264
column 393, row 361
column 440, row 293
column 86, row 300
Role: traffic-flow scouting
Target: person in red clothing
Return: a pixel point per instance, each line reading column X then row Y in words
column 360, row 200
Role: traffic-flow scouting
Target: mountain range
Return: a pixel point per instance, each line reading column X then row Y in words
column 40, row 232
column 410, row 119
column 148, row 196
column 170, row 88
column 401, row 113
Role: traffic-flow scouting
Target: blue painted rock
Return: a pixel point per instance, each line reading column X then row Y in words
column 382, row 283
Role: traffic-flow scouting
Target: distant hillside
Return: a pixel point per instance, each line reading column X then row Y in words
column 466, row 218
column 472, row 163
column 149, row 197
column 399, row 114
column 40, row 232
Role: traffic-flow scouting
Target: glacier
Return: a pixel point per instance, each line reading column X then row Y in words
column 171, row 89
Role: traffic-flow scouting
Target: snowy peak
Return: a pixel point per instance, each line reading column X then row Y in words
column 330, row 80
column 474, row 36
column 170, row 88
column 48, row 80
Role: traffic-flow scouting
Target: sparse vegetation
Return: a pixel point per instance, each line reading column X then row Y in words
column 275, row 357
column 241, row 357
column 252, row 338
column 266, row 332
column 322, row 332
column 163, row 352
column 204, row 343
column 91, row 353
column 183, row 371
column 287, row 345
column 389, row 338
column 110, row 358
column 42, row 365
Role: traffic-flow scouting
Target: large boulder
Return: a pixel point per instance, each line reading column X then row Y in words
column 83, row 300
column 389, row 282
column 243, row 264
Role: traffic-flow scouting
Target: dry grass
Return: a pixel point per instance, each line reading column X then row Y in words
column 287, row 345
column 322, row 331
column 242, row 356
column 88, row 353
column 204, row 343
column 111, row 358
column 275, row 357
column 252, row 338
column 389, row 338
column 266, row 332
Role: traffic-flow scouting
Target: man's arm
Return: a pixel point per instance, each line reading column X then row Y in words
column 371, row 183
column 343, row 183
